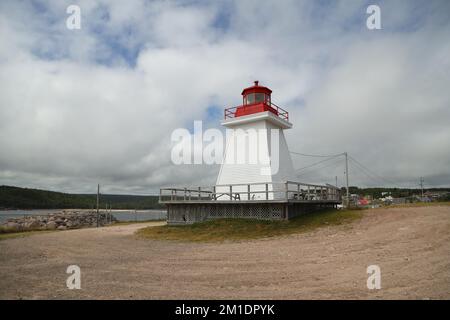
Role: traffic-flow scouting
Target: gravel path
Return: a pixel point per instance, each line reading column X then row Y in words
column 411, row 246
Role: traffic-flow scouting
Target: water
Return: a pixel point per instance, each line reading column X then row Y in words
column 8, row 214
column 120, row 215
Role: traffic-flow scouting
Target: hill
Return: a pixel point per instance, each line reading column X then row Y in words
column 25, row 198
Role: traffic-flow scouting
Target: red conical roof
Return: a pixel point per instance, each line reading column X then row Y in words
column 256, row 88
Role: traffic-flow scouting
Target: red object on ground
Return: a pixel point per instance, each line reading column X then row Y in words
column 363, row 202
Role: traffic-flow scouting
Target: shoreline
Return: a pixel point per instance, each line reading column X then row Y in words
column 122, row 215
column 79, row 209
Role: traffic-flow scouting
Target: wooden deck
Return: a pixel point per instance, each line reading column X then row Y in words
column 263, row 201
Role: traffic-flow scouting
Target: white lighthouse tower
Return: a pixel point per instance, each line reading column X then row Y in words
column 256, row 151
column 256, row 178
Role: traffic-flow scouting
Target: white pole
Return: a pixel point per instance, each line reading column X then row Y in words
column 98, row 195
column 346, row 180
column 421, row 185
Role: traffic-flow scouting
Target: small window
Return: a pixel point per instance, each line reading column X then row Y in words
column 259, row 97
column 250, row 98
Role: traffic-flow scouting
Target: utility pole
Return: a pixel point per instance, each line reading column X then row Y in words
column 346, row 179
column 336, row 182
column 421, row 185
column 98, row 198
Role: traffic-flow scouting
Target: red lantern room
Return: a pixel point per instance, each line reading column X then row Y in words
column 256, row 94
column 256, row 99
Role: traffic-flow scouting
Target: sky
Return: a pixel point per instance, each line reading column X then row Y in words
column 99, row 104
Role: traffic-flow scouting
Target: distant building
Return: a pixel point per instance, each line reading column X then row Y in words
column 423, row 199
column 435, row 195
column 399, row 200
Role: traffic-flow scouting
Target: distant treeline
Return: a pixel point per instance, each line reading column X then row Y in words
column 24, row 198
column 394, row 192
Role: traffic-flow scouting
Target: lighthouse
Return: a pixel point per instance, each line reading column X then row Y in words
column 256, row 179
column 256, row 151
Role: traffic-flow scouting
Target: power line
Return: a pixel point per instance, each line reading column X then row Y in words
column 339, row 161
column 332, row 164
column 364, row 172
column 370, row 172
column 315, row 155
column 316, row 163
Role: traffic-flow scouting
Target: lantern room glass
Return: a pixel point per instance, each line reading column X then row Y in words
column 253, row 98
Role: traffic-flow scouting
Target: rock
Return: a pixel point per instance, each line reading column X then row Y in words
column 13, row 226
column 32, row 225
column 59, row 221
column 51, row 225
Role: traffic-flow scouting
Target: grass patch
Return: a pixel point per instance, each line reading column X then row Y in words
column 242, row 229
column 22, row 234
column 126, row 223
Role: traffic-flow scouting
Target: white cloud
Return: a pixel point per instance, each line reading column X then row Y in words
column 76, row 107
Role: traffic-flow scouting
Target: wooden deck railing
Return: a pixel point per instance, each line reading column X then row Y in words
column 230, row 113
column 287, row 191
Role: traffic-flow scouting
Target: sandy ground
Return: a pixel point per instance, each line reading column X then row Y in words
column 411, row 246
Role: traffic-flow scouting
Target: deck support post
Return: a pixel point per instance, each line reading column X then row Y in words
column 286, row 186
column 267, row 191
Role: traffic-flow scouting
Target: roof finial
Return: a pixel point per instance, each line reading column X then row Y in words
column 256, row 83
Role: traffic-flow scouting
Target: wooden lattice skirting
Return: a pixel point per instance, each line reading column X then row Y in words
column 188, row 213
